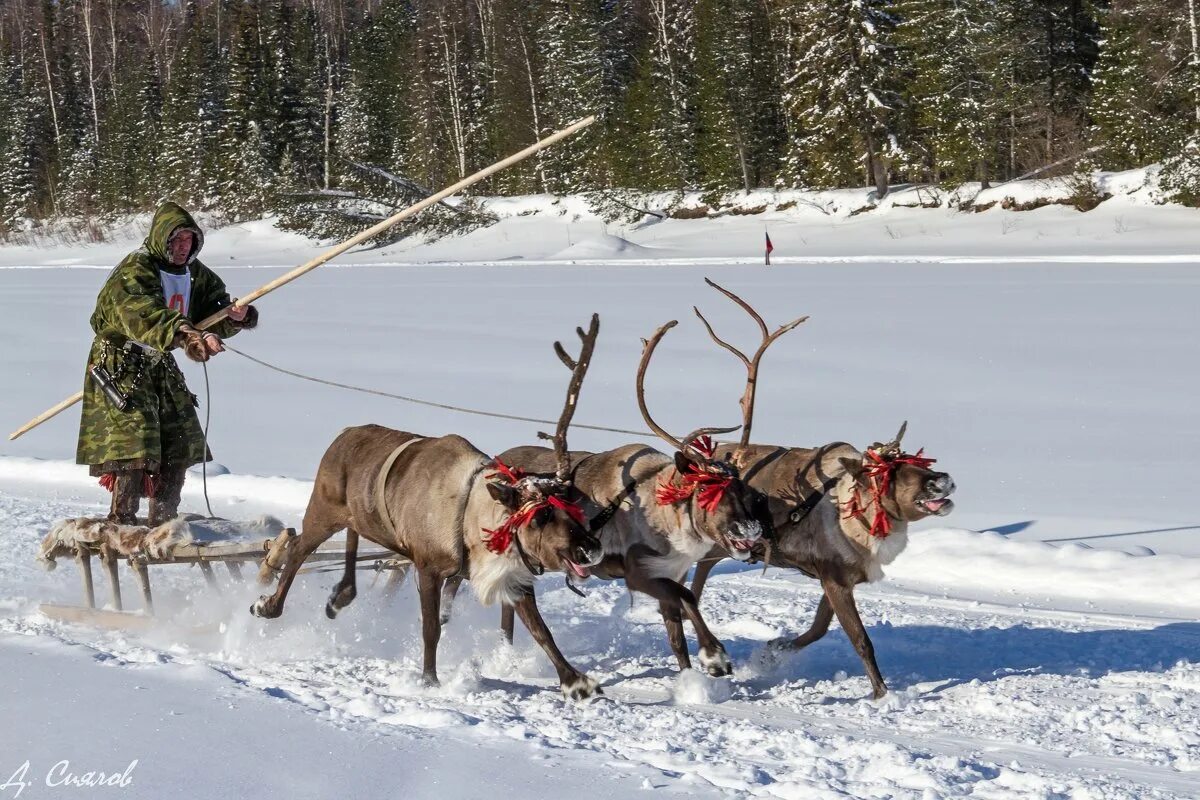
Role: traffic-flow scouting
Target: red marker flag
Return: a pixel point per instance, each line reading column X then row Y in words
column 770, row 247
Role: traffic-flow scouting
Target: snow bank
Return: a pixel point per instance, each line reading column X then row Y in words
column 272, row 492
column 989, row 566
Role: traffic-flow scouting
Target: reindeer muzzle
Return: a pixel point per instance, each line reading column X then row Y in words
column 740, row 541
column 937, row 495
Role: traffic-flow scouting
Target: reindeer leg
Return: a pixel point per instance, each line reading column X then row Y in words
column 678, row 600
column 820, row 627
column 575, row 684
column 449, row 592
column 712, row 653
column 842, row 599
column 672, row 616
column 346, row 589
column 703, row 568
column 395, row 580
column 507, row 622
column 316, row 531
column 429, row 585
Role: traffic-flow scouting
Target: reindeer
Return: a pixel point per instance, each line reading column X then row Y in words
column 455, row 513
column 833, row 512
column 656, row 515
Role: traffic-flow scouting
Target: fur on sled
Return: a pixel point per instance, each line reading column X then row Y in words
column 159, row 542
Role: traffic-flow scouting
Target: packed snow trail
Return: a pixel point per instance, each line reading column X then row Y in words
column 988, row 700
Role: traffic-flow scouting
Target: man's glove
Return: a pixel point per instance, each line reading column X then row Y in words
column 243, row 318
column 198, row 346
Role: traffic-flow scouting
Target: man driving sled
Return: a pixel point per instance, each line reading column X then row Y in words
column 139, row 432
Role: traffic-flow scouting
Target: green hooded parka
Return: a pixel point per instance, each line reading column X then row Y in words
column 135, row 328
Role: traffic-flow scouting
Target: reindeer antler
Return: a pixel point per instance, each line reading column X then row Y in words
column 892, row 447
column 578, row 369
column 648, row 347
column 751, row 364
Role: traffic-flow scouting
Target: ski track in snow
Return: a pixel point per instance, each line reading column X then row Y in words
column 987, row 701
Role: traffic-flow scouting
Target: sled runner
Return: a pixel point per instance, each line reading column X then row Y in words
column 188, row 539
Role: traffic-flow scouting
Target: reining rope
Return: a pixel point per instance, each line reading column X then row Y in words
column 459, row 409
column 207, row 418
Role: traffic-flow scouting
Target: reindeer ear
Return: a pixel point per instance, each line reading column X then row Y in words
column 853, row 466
column 505, row 494
column 683, row 461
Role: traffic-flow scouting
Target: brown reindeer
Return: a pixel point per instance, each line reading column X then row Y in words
column 454, row 512
column 835, row 513
column 657, row 514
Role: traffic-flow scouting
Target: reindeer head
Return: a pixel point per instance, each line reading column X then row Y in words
column 721, row 507
column 545, row 507
column 894, row 486
column 544, row 523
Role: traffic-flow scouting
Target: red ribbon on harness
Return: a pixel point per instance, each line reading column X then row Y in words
column 708, row 488
column 879, row 469
column 500, row 539
column 149, row 483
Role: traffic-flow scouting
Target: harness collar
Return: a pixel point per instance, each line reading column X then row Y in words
column 381, row 485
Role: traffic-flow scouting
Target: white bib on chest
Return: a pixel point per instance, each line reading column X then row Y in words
column 177, row 290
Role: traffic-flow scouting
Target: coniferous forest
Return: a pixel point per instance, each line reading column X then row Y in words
column 244, row 106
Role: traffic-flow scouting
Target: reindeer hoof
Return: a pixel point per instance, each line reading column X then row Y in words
column 783, row 643
column 877, row 692
column 430, row 680
column 339, row 600
column 716, row 663
column 263, row 607
column 582, row 688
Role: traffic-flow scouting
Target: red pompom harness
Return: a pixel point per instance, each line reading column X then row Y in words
column 707, row 485
column 499, row 540
column 879, row 469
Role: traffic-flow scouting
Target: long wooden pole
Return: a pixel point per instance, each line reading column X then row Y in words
column 333, row 253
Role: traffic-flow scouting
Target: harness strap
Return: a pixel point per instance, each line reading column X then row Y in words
column 463, row 569
column 535, row 570
column 801, row 511
column 609, row 511
column 381, row 485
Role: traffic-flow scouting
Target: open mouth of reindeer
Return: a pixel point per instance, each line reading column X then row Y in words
column 937, row 498
column 741, row 540
column 576, row 570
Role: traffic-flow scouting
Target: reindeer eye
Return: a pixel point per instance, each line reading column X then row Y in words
column 543, row 515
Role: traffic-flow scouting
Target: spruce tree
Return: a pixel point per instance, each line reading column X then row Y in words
column 739, row 128
column 571, row 88
column 843, row 92
column 951, row 101
column 1141, row 48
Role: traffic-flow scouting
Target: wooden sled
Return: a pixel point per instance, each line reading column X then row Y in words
column 175, row 543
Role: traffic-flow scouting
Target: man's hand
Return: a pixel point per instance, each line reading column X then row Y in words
column 198, row 346
column 243, row 316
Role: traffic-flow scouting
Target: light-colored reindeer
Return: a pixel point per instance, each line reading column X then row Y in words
column 656, row 514
column 454, row 512
column 835, row 513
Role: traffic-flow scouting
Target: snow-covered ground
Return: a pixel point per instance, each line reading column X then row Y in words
column 1044, row 646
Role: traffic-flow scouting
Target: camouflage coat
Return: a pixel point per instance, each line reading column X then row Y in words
column 135, row 326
